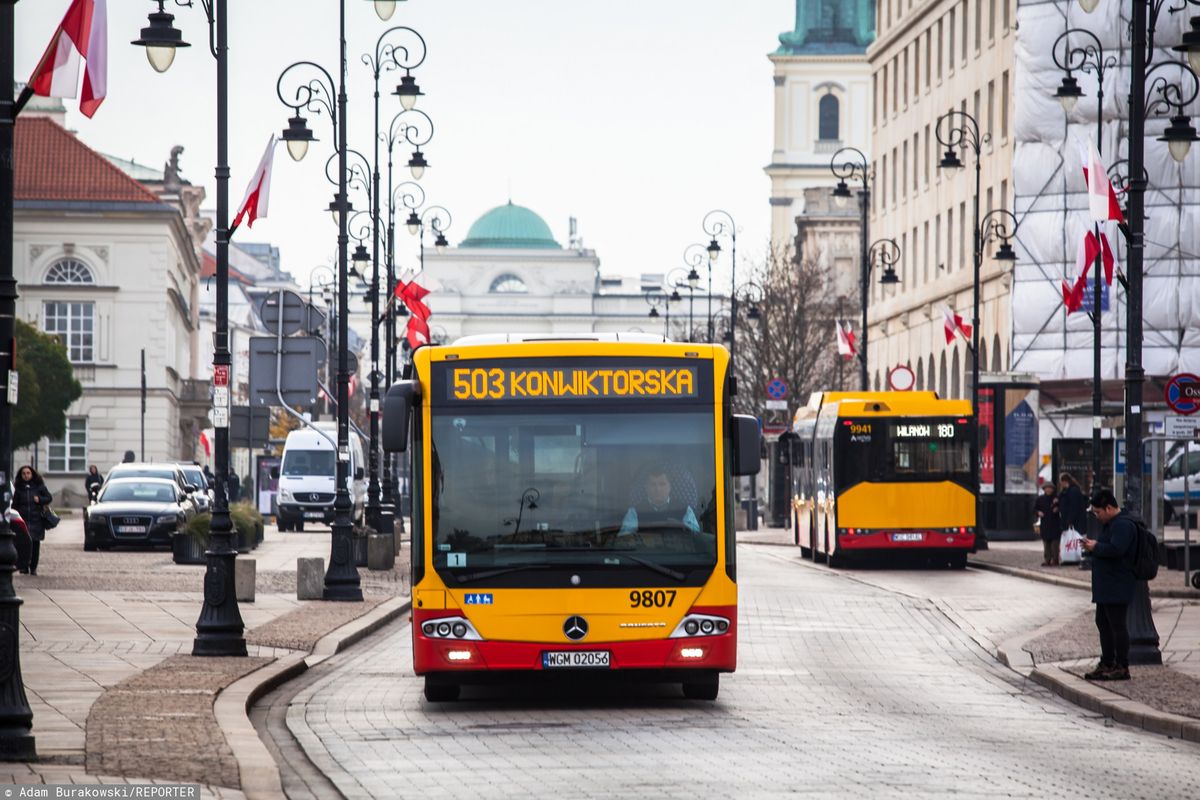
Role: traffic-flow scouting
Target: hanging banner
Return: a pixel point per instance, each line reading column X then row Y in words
column 1020, row 441
column 987, row 440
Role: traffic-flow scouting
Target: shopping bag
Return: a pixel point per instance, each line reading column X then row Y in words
column 1070, row 547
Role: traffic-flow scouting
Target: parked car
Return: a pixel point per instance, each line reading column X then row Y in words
column 194, row 475
column 136, row 511
column 165, row 471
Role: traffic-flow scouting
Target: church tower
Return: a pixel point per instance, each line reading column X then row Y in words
column 822, row 101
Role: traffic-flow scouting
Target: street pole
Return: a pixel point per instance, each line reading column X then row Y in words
column 716, row 224
column 858, row 168
column 219, row 630
column 341, row 579
column 142, row 451
column 16, row 718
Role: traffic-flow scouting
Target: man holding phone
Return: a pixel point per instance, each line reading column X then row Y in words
column 1113, row 583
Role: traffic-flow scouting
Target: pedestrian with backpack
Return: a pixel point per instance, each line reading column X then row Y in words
column 1113, row 552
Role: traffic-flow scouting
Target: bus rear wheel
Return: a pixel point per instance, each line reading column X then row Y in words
column 957, row 561
column 441, row 692
column 703, row 687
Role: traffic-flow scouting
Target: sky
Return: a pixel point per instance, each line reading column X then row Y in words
column 634, row 116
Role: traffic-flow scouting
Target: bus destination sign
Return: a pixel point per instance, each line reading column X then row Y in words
column 469, row 383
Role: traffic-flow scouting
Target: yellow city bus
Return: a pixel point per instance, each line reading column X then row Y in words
column 883, row 472
column 572, row 508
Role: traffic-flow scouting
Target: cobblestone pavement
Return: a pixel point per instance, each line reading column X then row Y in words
column 868, row 684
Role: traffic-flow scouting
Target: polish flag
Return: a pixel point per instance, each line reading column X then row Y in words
column 954, row 325
column 258, row 193
column 1085, row 256
column 1102, row 198
column 1109, row 259
column 205, row 444
column 417, row 332
column 81, row 36
column 845, row 340
column 413, row 295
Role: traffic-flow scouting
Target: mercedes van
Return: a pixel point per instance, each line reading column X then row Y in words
column 306, row 477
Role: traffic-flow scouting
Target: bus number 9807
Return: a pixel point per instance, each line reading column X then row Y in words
column 647, row 598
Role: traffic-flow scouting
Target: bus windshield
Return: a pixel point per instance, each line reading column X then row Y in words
column 302, row 463
column 903, row 449
column 583, row 488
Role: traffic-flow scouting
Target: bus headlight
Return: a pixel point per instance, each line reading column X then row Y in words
column 700, row 625
column 450, row 628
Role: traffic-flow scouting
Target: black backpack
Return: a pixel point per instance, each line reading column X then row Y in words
column 1145, row 551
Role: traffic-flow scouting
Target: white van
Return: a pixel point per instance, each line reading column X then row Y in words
column 307, row 477
column 1179, row 463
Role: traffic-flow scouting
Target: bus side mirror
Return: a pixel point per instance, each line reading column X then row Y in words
column 275, row 473
column 747, row 441
column 397, row 408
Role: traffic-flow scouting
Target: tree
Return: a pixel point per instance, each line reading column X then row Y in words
column 47, row 387
column 793, row 337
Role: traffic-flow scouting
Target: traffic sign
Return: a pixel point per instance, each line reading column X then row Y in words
column 1183, row 393
column 284, row 312
column 777, row 389
column 775, row 405
column 220, row 374
column 902, row 379
column 1178, row 427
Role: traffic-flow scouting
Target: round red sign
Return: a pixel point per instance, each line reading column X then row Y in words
column 901, row 379
column 1183, row 393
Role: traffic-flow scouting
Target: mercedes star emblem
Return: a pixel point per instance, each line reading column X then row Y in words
column 575, row 628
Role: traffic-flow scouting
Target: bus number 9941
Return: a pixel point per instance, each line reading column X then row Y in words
column 651, row 599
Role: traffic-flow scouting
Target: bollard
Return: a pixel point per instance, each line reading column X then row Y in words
column 380, row 552
column 310, row 578
column 245, row 571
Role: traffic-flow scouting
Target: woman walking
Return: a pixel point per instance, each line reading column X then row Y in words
column 32, row 499
column 1049, row 524
column 92, row 483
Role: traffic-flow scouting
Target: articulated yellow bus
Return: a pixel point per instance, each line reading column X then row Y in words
column 883, row 472
column 572, row 508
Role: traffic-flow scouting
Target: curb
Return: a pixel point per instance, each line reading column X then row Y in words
column 257, row 770
column 1076, row 690
column 1033, row 575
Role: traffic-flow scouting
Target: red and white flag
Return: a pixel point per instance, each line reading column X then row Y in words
column 258, row 193
column 417, row 332
column 845, row 340
column 954, row 325
column 81, row 36
column 413, row 295
column 1102, row 198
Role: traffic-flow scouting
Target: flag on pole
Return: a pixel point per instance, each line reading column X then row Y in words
column 954, row 325
column 413, row 295
column 81, row 36
column 205, row 444
column 417, row 332
column 258, row 192
column 845, row 340
column 1109, row 259
column 1085, row 256
column 1102, row 198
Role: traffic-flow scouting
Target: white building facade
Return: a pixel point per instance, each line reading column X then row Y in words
column 822, row 101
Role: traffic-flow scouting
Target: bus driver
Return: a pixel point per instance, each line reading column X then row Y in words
column 656, row 505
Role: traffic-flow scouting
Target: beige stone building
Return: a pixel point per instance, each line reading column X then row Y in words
column 930, row 58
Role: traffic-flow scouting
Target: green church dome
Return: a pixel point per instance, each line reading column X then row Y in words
column 510, row 226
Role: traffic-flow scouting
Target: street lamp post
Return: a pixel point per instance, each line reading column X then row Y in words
column 315, row 95
column 718, row 224
column 219, row 630
column 1088, row 58
column 388, row 56
column 654, row 299
column 16, row 717
column 857, row 169
column 675, row 280
column 693, row 256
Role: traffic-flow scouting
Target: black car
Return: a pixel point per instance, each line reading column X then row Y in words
column 136, row 511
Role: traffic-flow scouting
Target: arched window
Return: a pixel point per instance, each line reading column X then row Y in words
column 942, row 378
column 69, row 270
column 983, row 362
column 828, row 113
column 508, row 284
column 920, row 375
column 955, row 376
column 996, row 364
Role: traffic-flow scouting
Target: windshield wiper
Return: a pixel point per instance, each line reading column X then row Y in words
column 491, row 573
column 659, row 568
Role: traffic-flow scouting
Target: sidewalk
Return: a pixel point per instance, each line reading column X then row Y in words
column 1165, row 699
column 105, row 656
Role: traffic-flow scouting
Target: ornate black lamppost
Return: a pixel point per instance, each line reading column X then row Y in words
column 655, row 298
column 219, row 630
column 1088, row 57
column 317, row 93
column 16, row 718
column 388, row 56
column 719, row 224
column 857, row 169
column 693, row 257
